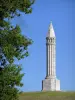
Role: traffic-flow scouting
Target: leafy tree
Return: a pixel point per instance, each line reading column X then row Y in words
column 13, row 45
column 10, row 77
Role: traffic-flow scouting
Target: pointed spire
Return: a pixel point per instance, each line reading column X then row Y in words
column 51, row 32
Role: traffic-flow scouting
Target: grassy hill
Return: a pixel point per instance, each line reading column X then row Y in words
column 47, row 96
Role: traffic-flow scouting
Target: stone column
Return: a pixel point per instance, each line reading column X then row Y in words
column 47, row 58
column 51, row 83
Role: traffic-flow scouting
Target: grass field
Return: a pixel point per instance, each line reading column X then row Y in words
column 47, row 96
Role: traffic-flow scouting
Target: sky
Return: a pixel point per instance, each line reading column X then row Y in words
column 35, row 26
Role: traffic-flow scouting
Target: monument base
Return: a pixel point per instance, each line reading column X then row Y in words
column 51, row 84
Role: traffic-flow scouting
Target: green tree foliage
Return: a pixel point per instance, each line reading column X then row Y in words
column 13, row 45
column 10, row 77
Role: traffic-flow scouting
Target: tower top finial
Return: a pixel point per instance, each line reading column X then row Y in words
column 51, row 32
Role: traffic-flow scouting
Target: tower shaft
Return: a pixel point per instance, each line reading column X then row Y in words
column 51, row 83
column 51, row 57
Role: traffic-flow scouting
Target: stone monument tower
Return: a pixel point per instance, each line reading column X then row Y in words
column 51, row 83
